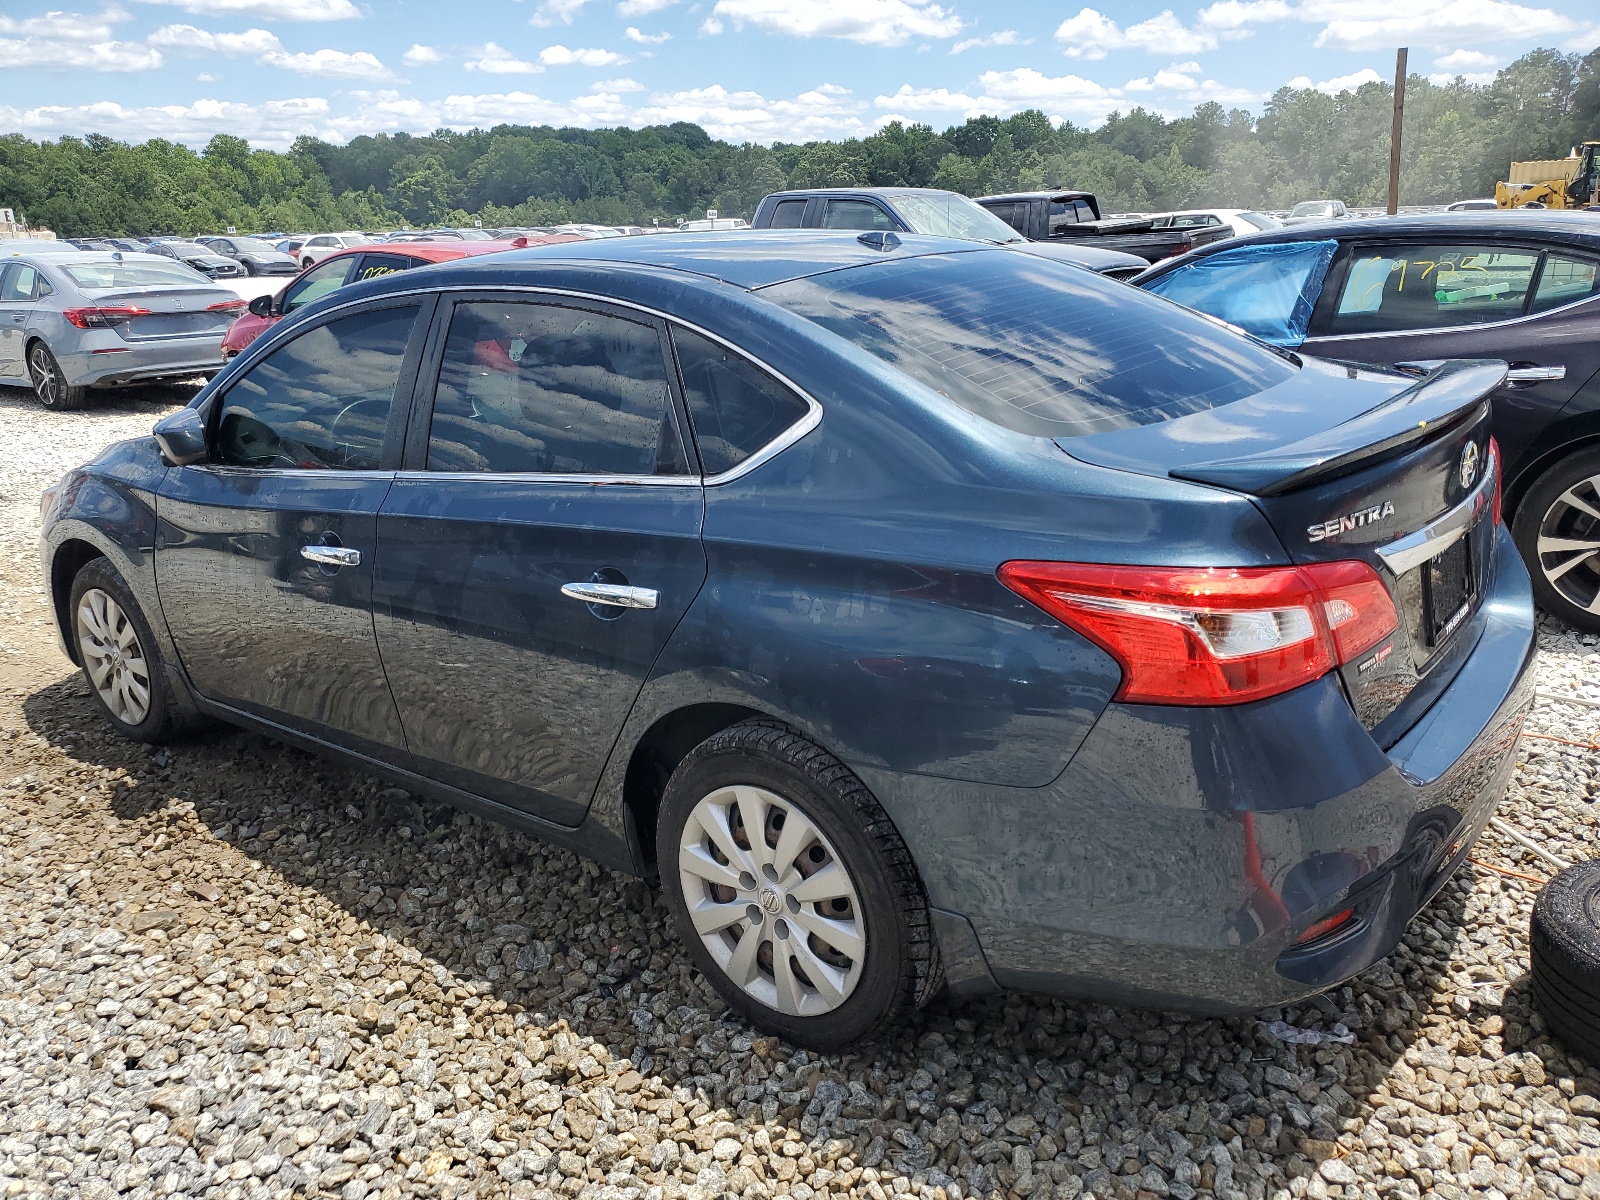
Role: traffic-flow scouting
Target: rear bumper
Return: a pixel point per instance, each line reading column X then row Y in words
column 1182, row 852
column 131, row 362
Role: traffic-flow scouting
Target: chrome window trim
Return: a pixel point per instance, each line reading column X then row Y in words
column 536, row 477
column 1407, row 553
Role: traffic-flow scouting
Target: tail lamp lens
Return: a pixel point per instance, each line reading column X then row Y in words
column 104, row 316
column 227, row 306
column 1494, row 469
column 1214, row 635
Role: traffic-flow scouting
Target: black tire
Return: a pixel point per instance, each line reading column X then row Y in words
column 50, row 385
column 249, row 267
column 307, row 263
column 1564, row 950
column 899, row 969
column 1564, row 588
column 163, row 719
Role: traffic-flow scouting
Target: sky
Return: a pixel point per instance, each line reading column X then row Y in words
column 745, row 70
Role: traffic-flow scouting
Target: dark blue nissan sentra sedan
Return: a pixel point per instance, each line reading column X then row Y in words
column 924, row 615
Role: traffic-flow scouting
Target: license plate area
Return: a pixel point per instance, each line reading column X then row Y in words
column 1449, row 592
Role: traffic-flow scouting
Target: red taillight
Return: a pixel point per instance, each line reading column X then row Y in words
column 1321, row 929
column 1191, row 635
column 227, row 306
column 104, row 317
column 1494, row 469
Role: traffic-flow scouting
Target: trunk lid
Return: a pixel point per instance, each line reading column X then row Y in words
column 1387, row 467
column 173, row 312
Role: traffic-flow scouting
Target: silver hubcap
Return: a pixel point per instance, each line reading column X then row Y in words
column 113, row 658
column 772, row 901
column 1569, row 543
column 44, row 374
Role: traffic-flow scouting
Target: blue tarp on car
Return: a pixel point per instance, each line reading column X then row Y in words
column 1267, row 290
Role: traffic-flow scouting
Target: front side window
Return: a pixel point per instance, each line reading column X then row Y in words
column 1036, row 346
column 317, row 282
column 789, row 214
column 1564, row 281
column 1392, row 288
column 735, row 408
column 855, row 214
column 543, row 389
column 321, row 401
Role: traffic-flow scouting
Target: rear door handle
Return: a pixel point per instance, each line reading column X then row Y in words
column 619, row 595
column 332, row 556
column 1535, row 374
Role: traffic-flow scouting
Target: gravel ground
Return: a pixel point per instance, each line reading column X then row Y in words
column 230, row 969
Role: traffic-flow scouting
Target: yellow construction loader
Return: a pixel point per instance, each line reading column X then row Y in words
column 1571, row 182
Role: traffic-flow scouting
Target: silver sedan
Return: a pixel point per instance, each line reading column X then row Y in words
column 71, row 322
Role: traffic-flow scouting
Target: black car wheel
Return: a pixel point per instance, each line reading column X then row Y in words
column 1564, row 956
column 119, row 655
column 50, row 384
column 307, row 263
column 1557, row 530
column 792, row 888
column 249, row 267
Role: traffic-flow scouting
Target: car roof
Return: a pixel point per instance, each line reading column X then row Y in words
column 859, row 191
column 1052, row 194
column 751, row 258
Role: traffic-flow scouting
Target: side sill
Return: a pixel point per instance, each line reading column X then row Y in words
column 590, row 839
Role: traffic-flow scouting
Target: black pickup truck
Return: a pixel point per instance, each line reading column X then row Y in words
column 1075, row 216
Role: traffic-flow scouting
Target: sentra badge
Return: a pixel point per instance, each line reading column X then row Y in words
column 1380, row 511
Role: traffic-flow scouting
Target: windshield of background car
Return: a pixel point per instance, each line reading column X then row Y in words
column 251, row 246
column 953, row 216
column 130, row 274
column 1036, row 346
column 1312, row 208
column 1261, row 220
column 189, row 248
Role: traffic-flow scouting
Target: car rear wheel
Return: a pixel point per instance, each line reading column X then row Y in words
column 50, row 383
column 119, row 655
column 307, row 263
column 1557, row 530
column 792, row 888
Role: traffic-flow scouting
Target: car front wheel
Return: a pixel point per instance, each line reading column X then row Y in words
column 1557, row 530
column 249, row 267
column 119, row 655
column 50, row 382
column 792, row 888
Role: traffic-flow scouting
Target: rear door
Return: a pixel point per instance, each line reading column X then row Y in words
column 375, row 264
column 265, row 553
column 540, row 547
column 1399, row 302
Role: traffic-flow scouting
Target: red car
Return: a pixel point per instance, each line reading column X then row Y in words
column 348, row 266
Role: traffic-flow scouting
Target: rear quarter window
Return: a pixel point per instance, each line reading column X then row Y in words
column 1036, row 346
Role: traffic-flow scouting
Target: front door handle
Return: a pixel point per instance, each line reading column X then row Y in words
column 619, row 595
column 332, row 556
column 1535, row 374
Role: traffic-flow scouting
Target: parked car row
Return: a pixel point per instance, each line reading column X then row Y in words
column 951, row 616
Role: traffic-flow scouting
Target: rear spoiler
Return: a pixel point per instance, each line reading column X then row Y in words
column 1451, row 393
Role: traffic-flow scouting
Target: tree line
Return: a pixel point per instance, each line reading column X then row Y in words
column 1458, row 140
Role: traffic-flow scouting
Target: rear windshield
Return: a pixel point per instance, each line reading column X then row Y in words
column 128, row 274
column 1037, row 346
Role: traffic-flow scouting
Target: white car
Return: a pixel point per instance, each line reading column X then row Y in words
column 315, row 249
column 1240, row 220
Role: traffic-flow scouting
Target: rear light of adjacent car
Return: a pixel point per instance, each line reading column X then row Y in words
column 104, row 316
column 1494, row 469
column 1218, row 635
column 235, row 306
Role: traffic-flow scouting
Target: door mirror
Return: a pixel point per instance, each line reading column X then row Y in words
column 261, row 306
column 181, row 437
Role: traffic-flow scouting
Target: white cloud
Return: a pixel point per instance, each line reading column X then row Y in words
column 420, row 55
column 497, row 60
column 1462, row 59
column 560, row 56
column 1006, row 37
column 274, row 124
column 1381, row 24
column 710, row 27
column 272, row 10
column 1090, row 34
column 646, row 39
column 642, row 8
column 268, row 51
column 207, row 77
column 1446, row 78
column 1339, row 83
column 552, row 11
column 869, row 22
column 617, row 85
column 1179, row 81
column 83, row 41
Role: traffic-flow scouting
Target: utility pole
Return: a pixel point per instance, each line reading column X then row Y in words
column 1394, row 129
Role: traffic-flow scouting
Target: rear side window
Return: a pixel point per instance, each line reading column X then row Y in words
column 855, row 214
column 373, row 265
column 322, row 400
column 1565, row 280
column 789, row 214
column 542, row 389
column 735, row 408
column 1014, row 215
column 19, row 282
column 1391, row 288
column 1037, row 346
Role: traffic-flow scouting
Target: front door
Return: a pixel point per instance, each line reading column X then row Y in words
column 265, row 553
column 534, row 563
column 19, row 288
